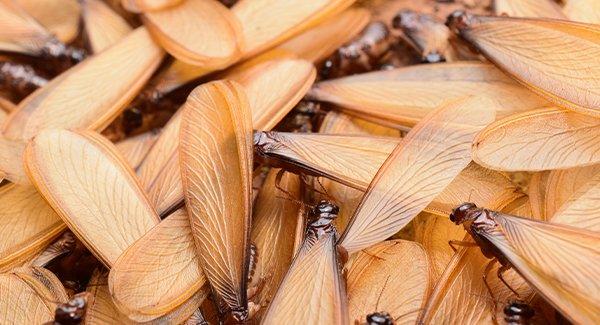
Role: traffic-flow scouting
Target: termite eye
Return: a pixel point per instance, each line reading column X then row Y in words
column 518, row 308
column 379, row 318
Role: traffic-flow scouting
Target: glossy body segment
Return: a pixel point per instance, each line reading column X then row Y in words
column 421, row 166
column 216, row 170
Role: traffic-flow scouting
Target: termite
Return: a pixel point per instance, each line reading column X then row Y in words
column 425, row 34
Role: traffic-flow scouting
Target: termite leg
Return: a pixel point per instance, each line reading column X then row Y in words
column 278, row 178
column 487, row 270
column 501, row 271
column 454, row 243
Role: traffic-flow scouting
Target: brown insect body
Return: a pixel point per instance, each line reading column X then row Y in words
column 324, row 213
column 303, row 117
column 476, row 222
column 518, row 313
column 73, row 311
column 19, row 79
column 379, row 318
column 61, row 55
column 360, row 55
column 427, row 35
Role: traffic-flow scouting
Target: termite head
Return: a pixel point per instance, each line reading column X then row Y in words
column 240, row 314
column 72, row 312
column 463, row 213
column 326, row 210
column 379, row 318
column 518, row 312
column 458, row 21
column 406, row 20
column 263, row 142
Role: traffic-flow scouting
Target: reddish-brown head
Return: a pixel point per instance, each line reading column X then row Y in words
column 461, row 213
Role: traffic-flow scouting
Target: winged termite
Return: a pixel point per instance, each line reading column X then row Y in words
column 136, row 148
column 319, row 42
column 529, row 8
column 27, row 223
column 90, row 94
column 141, row 292
column 412, row 176
column 274, row 219
column 103, row 26
column 20, row 79
column 378, row 274
column 587, row 11
column 428, row 36
column 21, row 33
column 217, row 124
column 561, row 185
column 402, row 97
column 581, row 209
column 138, row 6
column 312, row 154
column 562, row 139
column 527, row 50
column 197, row 32
column 361, row 54
column 265, row 23
column 518, row 313
column 559, row 261
column 313, row 290
column 95, row 175
column 60, row 17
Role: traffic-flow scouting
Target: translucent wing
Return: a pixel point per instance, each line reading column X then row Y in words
column 312, row 291
column 91, row 188
column 374, row 284
column 27, row 224
column 135, row 149
column 20, row 304
column 159, row 172
column 19, row 32
column 582, row 209
column 59, row 17
column 197, row 32
column 317, row 43
column 556, row 59
column 562, row 184
column 274, row 87
column 587, row 11
column 529, row 8
column 561, row 262
column 143, row 292
column 404, row 96
column 11, row 161
column 539, row 140
column 216, row 170
column 103, row 26
column 274, row 221
column 102, row 309
column 268, row 22
column 138, row 6
column 91, row 94
column 418, row 169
